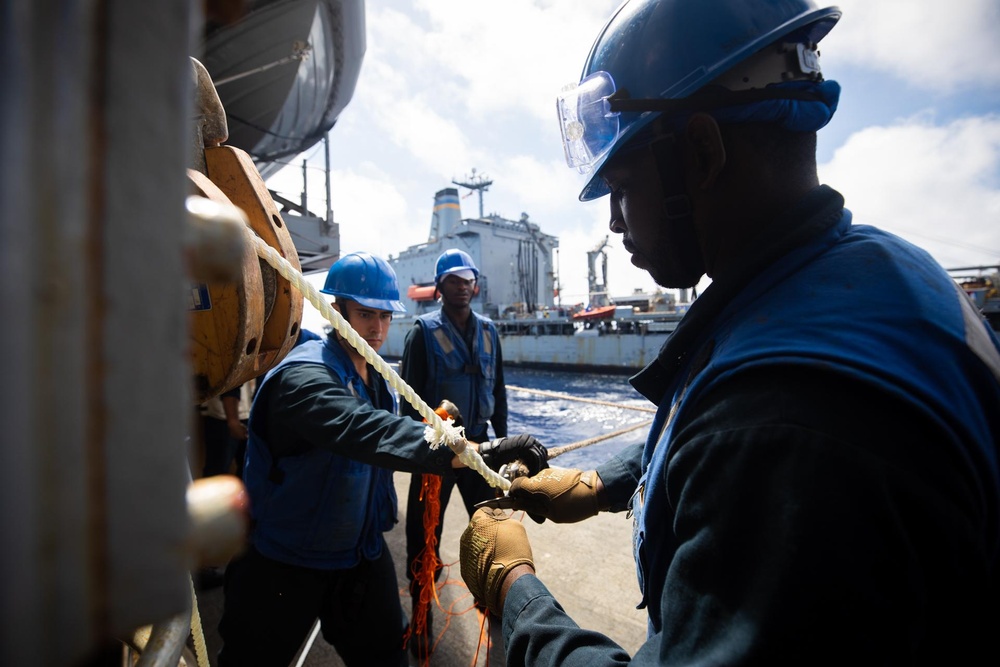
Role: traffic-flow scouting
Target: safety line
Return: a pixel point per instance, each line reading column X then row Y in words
column 556, row 451
column 579, row 399
column 197, row 632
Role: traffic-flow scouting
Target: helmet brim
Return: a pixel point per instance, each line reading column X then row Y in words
column 378, row 304
column 382, row 304
column 461, row 269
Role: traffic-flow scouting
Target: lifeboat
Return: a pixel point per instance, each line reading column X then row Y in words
column 599, row 313
column 284, row 73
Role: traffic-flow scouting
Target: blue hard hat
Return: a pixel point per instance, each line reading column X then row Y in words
column 364, row 278
column 670, row 49
column 453, row 261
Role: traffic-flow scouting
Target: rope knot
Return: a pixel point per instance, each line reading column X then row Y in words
column 446, row 434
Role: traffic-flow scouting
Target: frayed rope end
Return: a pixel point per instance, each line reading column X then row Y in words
column 449, row 435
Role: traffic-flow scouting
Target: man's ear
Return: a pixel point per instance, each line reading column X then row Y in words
column 706, row 150
column 341, row 308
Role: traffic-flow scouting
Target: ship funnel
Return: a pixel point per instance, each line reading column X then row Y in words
column 447, row 213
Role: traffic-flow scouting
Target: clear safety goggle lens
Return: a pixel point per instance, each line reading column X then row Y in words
column 589, row 127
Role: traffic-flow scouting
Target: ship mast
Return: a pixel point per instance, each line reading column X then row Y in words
column 478, row 184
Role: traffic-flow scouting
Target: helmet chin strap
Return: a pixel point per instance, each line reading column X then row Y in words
column 677, row 209
column 676, row 203
column 341, row 307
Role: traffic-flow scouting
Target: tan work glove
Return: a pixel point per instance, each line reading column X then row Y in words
column 565, row 495
column 491, row 546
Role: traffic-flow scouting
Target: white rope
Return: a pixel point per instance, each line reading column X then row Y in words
column 438, row 431
column 197, row 632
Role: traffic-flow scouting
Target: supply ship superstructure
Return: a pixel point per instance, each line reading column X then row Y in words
column 517, row 289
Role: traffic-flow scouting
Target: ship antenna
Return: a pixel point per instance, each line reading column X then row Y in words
column 478, row 184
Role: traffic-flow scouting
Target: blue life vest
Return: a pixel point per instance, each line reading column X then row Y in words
column 804, row 311
column 463, row 376
column 315, row 508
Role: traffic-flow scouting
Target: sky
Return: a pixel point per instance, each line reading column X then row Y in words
column 448, row 86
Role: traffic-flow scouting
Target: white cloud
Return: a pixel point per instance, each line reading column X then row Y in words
column 448, row 85
column 936, row 186
column 542, row 189
column 371, row 211
column 373, row 214
column 933, row 45
column 443, row 79
column 512, row 54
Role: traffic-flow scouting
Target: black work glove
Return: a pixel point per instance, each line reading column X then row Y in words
column 524, row 448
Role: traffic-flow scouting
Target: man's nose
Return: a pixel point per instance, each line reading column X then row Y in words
column 617, row 222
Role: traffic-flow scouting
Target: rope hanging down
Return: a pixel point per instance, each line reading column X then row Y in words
column 438, row 431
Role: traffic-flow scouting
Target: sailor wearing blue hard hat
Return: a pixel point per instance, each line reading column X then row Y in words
column 367, row 296
column 452, row 354
column 324, row 439
column 821, row 484
column 455, row 262
column 658, row 65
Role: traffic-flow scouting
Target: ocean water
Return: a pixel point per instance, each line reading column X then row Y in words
column 568, row 409
column 582, row 418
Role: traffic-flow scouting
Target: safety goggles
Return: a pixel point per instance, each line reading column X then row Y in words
column 589, row 112
column 589, row 127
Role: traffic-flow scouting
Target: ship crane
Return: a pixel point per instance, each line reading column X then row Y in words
column 598, row 291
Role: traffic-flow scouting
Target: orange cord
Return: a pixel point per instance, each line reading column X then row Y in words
column 426, row 564
column 456, row 608
column 425, row 567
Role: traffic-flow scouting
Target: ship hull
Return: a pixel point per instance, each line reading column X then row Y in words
column 584, row 350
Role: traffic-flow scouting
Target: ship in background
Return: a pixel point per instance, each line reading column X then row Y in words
column 982, row 284
column 514, row 258
column 518, row 286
